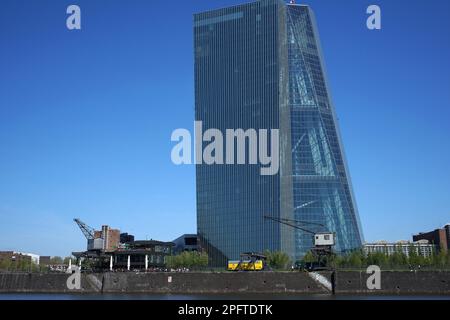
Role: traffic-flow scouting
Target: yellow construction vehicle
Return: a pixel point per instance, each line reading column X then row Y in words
column 249, row 261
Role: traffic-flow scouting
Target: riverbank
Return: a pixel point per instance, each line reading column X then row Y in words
column 341, row 283
column 224, row 297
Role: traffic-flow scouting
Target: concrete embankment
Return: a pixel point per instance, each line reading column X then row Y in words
column 41, row 283
column 394, row 282
column 166, row 282
column 345, row 282
column 223, row 282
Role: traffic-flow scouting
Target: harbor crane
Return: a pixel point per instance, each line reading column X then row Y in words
column 87, row 230
column 323, row 241
column 93, row 242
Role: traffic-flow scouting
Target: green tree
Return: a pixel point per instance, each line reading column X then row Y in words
column 356, row 259
column 413, row 256
column 440, row 260
column 88, row 264
column 398, row 259
column 5, row 265
column 188, row 259
column 448, row 259
column 56, row 260
column 338, row 262
column 67, row 259
column 200, row 260
column 377, row 258
column 309, row 257
column 277, row 260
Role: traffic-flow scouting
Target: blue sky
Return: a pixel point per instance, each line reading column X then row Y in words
column 86, row 116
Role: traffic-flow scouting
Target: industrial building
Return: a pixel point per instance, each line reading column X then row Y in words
column 438, row 237
column 140, row 255
column 143, row 254
column 126, row 238
column 259, row 66
column 421, row 247
column 110, row 249
column 186, row 242
column 107, row 238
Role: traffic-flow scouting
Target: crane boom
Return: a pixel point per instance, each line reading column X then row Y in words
column 323, row 242
column 302, row 222
column 291, row 223
column 87, row 230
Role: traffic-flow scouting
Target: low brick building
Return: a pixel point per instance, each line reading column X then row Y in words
column 44, row 260
column 14, row 258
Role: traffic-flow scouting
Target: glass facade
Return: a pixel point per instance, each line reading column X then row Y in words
column 258, row 65
column 322, row 189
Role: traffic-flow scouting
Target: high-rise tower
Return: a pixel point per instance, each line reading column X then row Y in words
column 259, row 65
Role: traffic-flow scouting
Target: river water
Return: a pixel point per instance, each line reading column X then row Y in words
column 52, row 296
